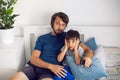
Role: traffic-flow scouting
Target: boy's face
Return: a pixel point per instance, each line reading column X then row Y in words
column 71, row 43
column 59, row 25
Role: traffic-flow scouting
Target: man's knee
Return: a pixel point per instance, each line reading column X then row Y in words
column 47, row 79
column 19, row 76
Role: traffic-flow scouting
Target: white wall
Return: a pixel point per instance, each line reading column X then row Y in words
column 104, row 35
column 80, row 12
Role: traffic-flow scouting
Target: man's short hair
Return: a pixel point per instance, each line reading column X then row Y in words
column 62, row 15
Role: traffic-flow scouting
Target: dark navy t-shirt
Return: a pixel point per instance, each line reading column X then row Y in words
column 50, row 46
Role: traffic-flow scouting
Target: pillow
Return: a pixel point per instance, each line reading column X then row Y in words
column 91, row 43
column 95, row 71
column 100, row 54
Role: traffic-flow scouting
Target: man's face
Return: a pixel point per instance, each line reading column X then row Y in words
column 58, row 25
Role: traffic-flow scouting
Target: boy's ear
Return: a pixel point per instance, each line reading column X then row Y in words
column 77, row 38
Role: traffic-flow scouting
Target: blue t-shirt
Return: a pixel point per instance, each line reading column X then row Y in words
column 50, row 46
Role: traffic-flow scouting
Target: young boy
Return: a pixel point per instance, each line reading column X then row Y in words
column 73, row 47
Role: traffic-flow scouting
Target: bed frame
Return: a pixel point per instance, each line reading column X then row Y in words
column 31, row 33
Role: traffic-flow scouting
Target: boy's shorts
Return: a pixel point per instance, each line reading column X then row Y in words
column 34, row 73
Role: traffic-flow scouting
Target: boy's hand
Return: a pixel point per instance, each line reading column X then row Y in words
column 77, row 45
column 88, row 62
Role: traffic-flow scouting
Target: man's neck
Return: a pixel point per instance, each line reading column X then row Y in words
column 53, row 33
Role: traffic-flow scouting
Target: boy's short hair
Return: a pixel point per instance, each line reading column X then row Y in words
column 72, row 34
column 62, row 15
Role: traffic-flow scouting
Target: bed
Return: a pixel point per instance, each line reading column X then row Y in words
column 31, row 33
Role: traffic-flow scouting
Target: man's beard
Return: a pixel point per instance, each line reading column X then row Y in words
column 57, row 33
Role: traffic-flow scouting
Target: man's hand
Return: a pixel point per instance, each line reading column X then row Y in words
column 88, row 61
column 58, row 70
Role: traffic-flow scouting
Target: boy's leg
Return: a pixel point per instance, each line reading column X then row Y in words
column 69, row 75
column 55, row 77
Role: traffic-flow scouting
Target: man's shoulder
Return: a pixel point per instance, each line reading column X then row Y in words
column 48, row 35
column 64, row 33
column 44, row 35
